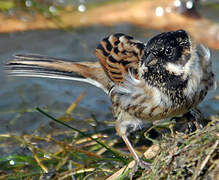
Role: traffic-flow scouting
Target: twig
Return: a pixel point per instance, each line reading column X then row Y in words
column 199, row 169
column 74, row 104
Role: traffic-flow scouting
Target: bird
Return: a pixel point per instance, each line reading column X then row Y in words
column 166, row 77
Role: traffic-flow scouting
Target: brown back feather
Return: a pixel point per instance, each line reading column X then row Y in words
column 118, row 53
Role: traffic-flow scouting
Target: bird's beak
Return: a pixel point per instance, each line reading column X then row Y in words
column 149, row 58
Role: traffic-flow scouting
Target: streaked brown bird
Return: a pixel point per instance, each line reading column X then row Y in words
column 165, row 78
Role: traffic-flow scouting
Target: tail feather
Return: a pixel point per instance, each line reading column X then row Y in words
column 43, row 66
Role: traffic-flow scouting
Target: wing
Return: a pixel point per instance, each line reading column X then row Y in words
column 118, row 54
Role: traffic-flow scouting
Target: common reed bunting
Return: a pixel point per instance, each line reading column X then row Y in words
column 166, row 77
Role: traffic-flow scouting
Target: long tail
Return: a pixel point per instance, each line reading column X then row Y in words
column 43, row 66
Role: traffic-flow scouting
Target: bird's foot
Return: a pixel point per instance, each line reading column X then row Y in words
column 140, row 163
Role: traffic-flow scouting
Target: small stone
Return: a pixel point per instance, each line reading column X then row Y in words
column 217, row 97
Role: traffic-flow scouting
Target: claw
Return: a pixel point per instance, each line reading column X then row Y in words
column 144, row 165
column 139, row 163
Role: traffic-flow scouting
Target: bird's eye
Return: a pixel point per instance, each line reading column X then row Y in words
column 168, row 51
column 179, row 39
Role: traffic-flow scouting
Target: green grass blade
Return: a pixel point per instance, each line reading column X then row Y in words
column 118, row 156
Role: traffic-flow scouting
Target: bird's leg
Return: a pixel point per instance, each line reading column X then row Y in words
column 126, row 124
column 131, row 149
column 190, row 121
column 138, row 161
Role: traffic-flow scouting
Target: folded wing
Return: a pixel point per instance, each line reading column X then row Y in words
column 118, row 54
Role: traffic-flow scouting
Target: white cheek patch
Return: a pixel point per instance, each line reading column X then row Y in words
column 204, row 52
column 192, row 65
column 176, row 69
column 194, row 70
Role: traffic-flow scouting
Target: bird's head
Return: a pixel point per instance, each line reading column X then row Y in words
column 169, row 50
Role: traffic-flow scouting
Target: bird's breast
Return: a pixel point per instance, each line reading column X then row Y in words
column 148, row 103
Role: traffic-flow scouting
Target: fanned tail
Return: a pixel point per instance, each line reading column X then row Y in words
column 43, row 66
